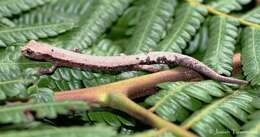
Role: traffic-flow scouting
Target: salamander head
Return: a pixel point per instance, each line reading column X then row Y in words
column 35, row 50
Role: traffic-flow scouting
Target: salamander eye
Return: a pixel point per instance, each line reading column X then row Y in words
column 27, row 52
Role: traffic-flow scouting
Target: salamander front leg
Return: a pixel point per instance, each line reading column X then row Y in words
column 48, row 71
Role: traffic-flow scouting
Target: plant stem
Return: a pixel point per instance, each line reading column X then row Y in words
column 122, row 102
column 257, row 2
column 236, row 64
column 218, row 13
column 133, row 88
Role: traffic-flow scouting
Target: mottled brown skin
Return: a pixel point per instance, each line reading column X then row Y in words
column 65, row 58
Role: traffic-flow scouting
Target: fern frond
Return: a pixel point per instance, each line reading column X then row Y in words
column 105, row 47
column 84, row 131
column 25, row 126
column 250, row 55
column 106, row 12
column 5, row 22
column 251, row 128
column 112, row 118
column 13, row 7
column 69, row 79
column 175, row 99
column 24, row 112
column 152, row 25
column 227, row 6
column 75, row 7
column 76, row 79
column 188, row 20
column 198, row 44
column 17, row 73
column 151, row 133
column 252, row 16
column 13, row 81
column 56, row 11
column 222, row 39
column 40, row 95
column 222, row 114
column 125, row 25
column 22, row 34
column 12, row 86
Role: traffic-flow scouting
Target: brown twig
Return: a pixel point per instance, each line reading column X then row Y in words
column 135, row 87
column 236, row 65
column 257, row 2
column 121, row 102
column 61, row 57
